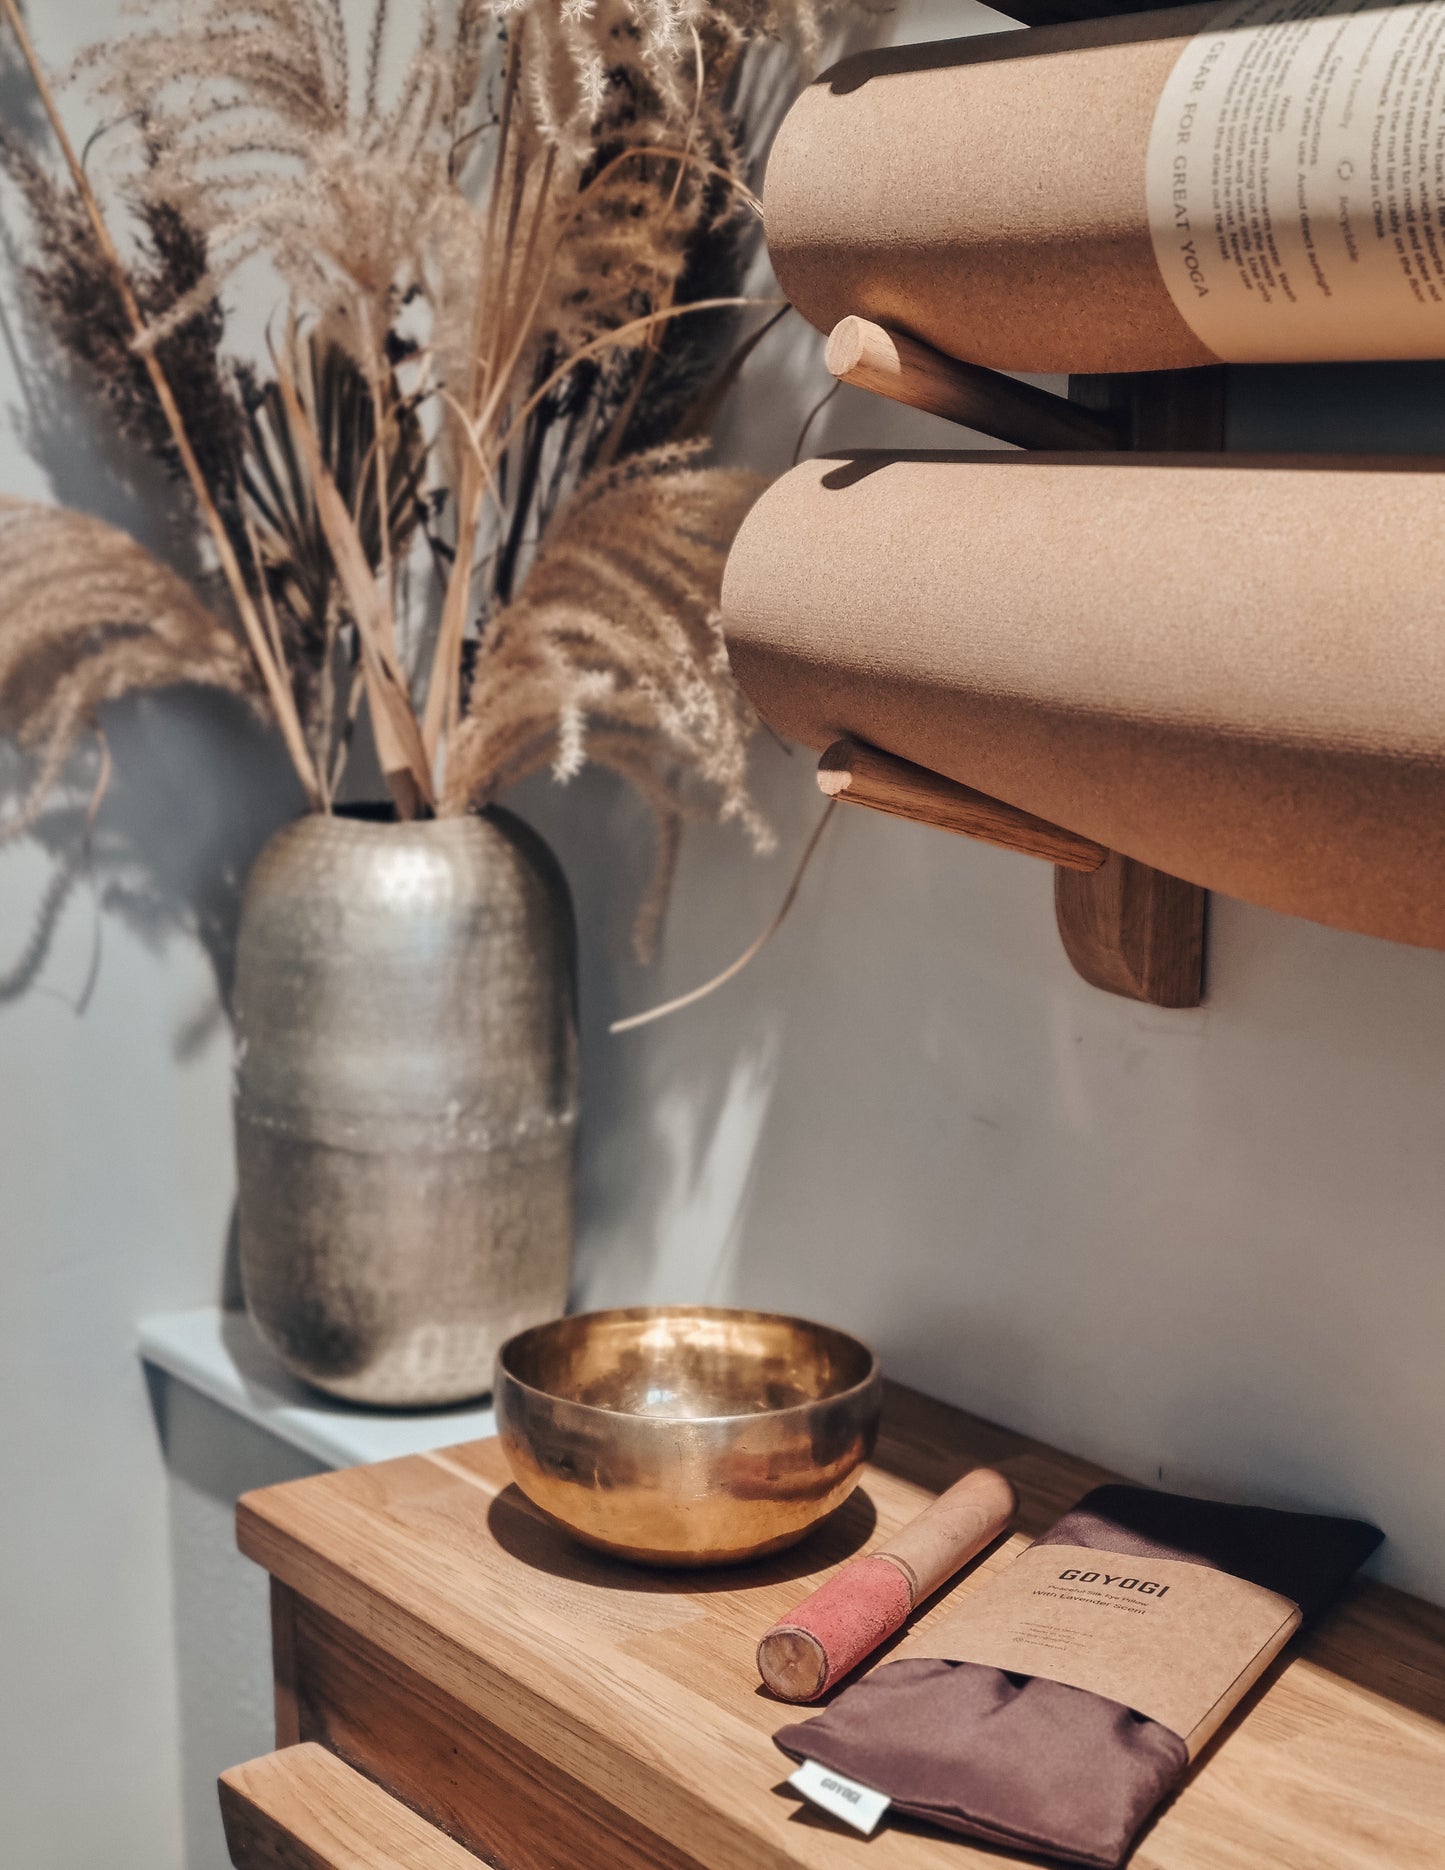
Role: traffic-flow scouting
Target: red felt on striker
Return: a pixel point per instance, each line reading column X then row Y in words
column 861, row 1606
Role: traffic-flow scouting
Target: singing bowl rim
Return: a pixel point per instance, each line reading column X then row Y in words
column 872, row 1376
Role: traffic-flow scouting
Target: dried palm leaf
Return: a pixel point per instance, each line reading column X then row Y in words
column 398, row 733
column 296, row 554
column 342, row 409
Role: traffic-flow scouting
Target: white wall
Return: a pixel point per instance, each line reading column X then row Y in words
column 1201, row 1246
column 1204, row 1247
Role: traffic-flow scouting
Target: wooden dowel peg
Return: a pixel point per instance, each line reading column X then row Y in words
column 858, row 774
column 899, row 367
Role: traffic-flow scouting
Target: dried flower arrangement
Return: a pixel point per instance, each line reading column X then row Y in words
column 468, row 498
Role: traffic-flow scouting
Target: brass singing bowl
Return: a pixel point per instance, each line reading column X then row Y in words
column 687, row 1435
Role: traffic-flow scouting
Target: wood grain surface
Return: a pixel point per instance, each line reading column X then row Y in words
column 283, row 1664
column 303, row 1809
column 466, row 1775
column 1133, row 930
column 469, row 1656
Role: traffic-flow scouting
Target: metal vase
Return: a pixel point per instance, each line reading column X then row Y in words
column 406, row 1099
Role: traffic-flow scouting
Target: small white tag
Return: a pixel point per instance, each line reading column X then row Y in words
column 856, row 1805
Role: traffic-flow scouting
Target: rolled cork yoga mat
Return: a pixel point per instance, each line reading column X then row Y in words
column 1230, row 668
column 869, row 1600
column 987, row 196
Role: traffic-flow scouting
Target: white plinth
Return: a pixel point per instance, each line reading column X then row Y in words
column 220, row 1354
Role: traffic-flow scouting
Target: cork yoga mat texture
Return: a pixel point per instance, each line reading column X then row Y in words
column 1234, row 672
column 988, row 196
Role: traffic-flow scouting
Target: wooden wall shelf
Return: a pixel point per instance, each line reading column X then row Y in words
column 545, row 1707
column 1126, row 928
column 1208, row 663
column 1222, row 667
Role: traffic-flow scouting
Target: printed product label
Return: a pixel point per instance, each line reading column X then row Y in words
column 1296, row 181
column 1178, row 1642
column 856, row 1805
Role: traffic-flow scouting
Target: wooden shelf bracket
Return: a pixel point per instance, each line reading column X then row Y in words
column 1133, row 930
column 1126, row 928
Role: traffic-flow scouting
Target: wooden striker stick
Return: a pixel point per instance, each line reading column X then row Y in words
column 899, row 367
column 862, row 1605
column 858, row 774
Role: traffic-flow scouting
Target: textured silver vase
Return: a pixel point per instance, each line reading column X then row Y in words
column 406, row 1099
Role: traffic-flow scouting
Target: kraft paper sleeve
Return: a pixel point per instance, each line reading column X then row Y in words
column 1177, row 1642
column 1230, row 668
column 988, row 196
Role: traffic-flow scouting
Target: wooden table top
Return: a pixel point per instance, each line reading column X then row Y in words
column 642, row 1685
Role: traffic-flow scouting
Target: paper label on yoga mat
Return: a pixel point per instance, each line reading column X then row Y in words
column 1178, row 1642
column 1295, row 181
column 859, row 1806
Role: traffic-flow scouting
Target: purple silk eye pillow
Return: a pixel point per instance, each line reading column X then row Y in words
column 1034, row 1765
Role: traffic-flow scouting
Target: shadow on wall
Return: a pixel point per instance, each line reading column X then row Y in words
column 198, row 787
column 19, row 107
column 670, row 1114
column 198, row 784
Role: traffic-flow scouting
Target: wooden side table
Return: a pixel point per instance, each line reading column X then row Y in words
column 455, row 1680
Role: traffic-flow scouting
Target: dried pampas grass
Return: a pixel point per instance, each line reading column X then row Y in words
column 614, row 653
column 91, row 615
column 249, row 121
column 512, row 237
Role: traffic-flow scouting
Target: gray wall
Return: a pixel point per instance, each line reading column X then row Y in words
column 115, row 1201
column 1201, row 1246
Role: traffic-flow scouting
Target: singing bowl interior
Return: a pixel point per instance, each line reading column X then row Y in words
column 687, row 1435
